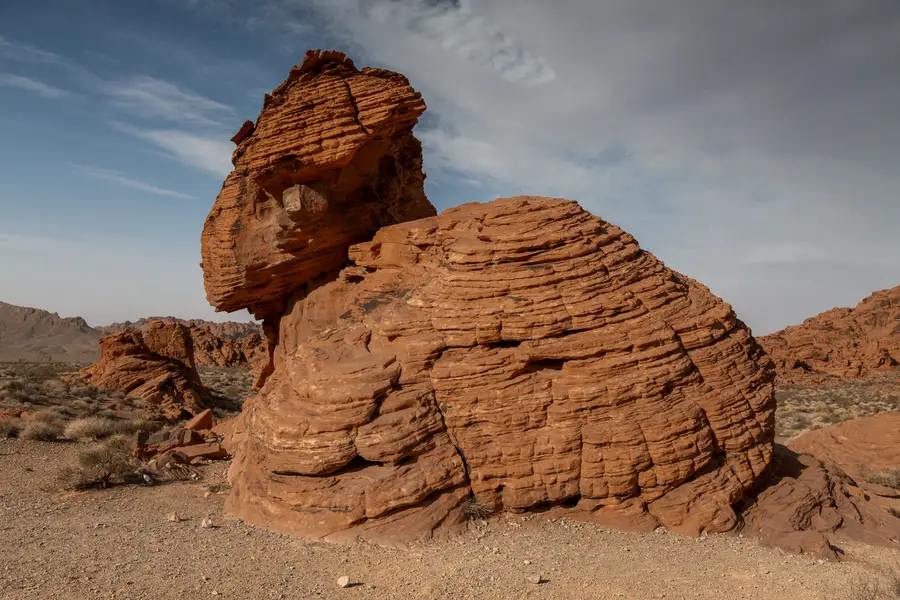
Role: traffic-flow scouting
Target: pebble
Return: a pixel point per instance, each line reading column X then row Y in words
column 206, row 524
column 173, row 518
column 535, row 579
column 343, row 581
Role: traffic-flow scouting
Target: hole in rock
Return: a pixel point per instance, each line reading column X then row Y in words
column 570, row 502
column 507, row 344
column 545, row 364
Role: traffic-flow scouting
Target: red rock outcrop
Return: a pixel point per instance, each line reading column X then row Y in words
column 811, row 503
column 330, row 159
column 155, row 365
column 861, row 447
column 229, row 344
column 842, row 342
column 518, row 353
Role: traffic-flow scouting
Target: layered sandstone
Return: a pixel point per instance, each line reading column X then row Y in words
column 230, row 344
column 330, row 159
column 811, row 503
column 842, row 342
column 155, row 365
column 862, row 447
column 516, row 354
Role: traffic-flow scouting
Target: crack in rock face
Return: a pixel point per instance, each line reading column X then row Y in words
column 517, row 354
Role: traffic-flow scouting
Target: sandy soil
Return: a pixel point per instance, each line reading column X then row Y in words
column 121, row 543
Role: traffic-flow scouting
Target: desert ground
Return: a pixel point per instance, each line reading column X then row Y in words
column 155, row 541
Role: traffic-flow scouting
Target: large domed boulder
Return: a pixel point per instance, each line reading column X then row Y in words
column 515, row 354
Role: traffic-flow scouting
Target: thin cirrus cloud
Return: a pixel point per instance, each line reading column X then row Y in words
column 151, row 98
column 18, row 51
column 117, row 178
column 31, row 85
column 206, row 152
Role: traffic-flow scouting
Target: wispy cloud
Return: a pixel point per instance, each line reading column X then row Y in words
column 26, row 53
column 118, row 178
column 208, row 152
column 29, row 84
column 151, row 98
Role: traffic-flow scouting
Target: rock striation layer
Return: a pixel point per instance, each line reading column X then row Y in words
column 515, row 354
column 842, row 342
column 155, row 365
column 330, row 159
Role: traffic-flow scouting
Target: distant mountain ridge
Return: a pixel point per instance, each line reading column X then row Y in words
column 226, row 330
column 36, row 335
column 841, row 342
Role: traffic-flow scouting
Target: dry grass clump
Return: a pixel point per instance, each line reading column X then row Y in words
column 889, row 479
column 10, row 427
column 42, row 431
column 102, row 465
column 888, row 588
column 474, row 511
column 92, row 428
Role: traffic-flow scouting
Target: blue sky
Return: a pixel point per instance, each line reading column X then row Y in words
column 752, row 146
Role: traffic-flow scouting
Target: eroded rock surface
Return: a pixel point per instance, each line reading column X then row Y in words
column 842, row 342
column 330, row 159
column 810, row 505
column 518, row 353
column 861, row 447
column 155, row 365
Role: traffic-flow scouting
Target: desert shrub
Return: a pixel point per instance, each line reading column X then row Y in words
column 47, row 415
column 93, row 428
column 474, row 511
column 100, row 466
column 886, row 478
column 10, row 427
column 43, row 431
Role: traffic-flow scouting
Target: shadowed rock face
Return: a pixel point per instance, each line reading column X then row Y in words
column 155, row 365
column 330, row 159
column 841, row 342
column 521, row 352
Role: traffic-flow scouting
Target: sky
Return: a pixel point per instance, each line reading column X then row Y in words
column 753, row 145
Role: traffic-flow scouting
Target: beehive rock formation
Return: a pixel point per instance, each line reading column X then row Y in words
column 520, row 353
column 330, row 159
column 842, row 342
column 155, row 365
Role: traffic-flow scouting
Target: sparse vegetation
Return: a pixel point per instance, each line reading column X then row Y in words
column 102, row 465
column 10, row 427
column 889, row 478
column 886, row 588
column 42, row 431
column 474, row 511
column 804, row 408
column 92, row 428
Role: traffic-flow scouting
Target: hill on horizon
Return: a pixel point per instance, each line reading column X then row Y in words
column 37, row 335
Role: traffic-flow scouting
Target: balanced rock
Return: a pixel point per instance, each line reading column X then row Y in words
column 330, row 159
column 155, row 365
column 519, row 353
column 842, row 342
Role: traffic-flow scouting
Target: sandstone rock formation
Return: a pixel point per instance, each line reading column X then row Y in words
column 841, row 342
column 330, row 159
column 155, row 365
column 861, row 447
column 519, row 353
column 229, row 344
column 810, row 503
